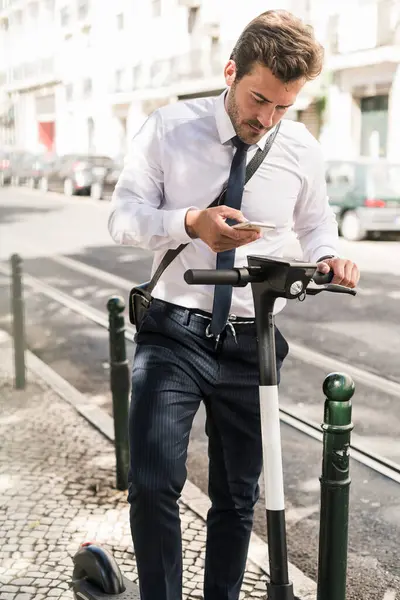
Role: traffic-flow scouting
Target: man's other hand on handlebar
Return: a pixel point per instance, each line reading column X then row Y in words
column 345, row 272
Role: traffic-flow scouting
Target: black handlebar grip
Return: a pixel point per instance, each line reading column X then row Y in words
column 322, row 278
column 211, row 276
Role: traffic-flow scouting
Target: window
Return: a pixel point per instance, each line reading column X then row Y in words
column 382, row 180
column 87, row 87
column 17, row 18
column 83, row 9
column 120, row 21
column 340, row 178
column 65, row 16
column 156, row 8
column 193, row 14
column 374, row 103
column 136, row 76
column 33, row 10
column 87, row 36
column 374, row 125
column 118, row 80
column 215, row 44
column 69, row 91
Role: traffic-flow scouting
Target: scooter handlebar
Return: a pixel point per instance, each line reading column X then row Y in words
column 238, row 276
column 322, row 278
column 212, row 277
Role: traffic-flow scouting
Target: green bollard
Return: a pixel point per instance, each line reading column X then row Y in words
column 120, row 387
column 18, row 322
column 335, row 486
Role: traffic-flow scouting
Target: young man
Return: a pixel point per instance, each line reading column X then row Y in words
column 188, row 349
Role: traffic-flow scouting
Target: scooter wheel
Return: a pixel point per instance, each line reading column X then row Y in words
column 95, row 565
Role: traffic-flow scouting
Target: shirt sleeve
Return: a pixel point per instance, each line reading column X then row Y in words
column 138, row 216
column 314, row 220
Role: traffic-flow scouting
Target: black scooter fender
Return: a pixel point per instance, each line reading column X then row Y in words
column 98, row 567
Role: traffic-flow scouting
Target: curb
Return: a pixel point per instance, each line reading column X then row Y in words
column 191, row 495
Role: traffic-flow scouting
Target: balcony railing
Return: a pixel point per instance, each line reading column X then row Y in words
column 380, row 28
column 198, row 64
column 26, row 74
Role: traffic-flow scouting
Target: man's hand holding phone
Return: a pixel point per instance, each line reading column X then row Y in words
column 254, row 226
column 210, row 226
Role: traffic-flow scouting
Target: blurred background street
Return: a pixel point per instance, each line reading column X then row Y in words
column 71, row 268
column 77, row 80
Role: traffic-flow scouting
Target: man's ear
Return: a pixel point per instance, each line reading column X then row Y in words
column 230, row 72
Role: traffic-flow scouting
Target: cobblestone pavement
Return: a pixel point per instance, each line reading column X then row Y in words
column 57, row 489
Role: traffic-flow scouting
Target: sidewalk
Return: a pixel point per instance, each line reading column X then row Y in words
column 57, row 489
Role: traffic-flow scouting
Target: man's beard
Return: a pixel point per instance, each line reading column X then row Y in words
column 233, row 112
column 245, row 133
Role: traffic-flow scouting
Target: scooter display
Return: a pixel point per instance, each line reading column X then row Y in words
column 96, row 574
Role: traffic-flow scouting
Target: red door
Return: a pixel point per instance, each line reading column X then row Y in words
column 46, row 134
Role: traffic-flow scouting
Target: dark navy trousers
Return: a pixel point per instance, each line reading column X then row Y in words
column 176, row 366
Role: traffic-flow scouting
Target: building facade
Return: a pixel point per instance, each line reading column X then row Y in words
column 364, row 91
column 28, row 72
column 82, row 75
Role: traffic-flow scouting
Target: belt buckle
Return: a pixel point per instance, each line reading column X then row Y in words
column 208, row 332
column 211, row 335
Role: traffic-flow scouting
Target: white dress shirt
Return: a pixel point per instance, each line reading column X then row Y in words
column 181, row 158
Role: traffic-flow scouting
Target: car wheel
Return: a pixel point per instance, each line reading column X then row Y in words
column 351, row 227
column 68, row 187
column 43, row 184
column 96, row 191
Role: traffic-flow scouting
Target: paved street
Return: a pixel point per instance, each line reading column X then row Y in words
column 58, row 490
column 363, row 331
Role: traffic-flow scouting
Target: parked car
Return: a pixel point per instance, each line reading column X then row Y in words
column 73, row 173
column 27, row 168
column 5, row 168
column 105, row 181
column 365, row 195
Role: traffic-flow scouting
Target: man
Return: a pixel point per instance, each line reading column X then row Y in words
column 188, row 350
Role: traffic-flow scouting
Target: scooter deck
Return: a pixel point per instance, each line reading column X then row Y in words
column 87, row 591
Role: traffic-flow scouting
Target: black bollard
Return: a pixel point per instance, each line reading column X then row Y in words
column 18, row 322
column 120, row 387
column 335, row 487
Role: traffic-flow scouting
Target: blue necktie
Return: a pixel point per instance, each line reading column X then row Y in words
column 226, row 259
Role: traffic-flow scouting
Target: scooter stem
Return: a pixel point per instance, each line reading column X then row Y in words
column 279, row 587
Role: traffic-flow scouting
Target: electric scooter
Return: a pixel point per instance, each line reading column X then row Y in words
column 96, row 575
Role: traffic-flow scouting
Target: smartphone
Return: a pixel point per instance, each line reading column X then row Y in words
column 254, row 225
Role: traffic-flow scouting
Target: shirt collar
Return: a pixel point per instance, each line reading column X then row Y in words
column 225, row 128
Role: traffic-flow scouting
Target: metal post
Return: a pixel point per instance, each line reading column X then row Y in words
column 120, row 387
column 335, row 487
column 18, row 324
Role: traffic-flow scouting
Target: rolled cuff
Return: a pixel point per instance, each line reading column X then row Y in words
column 174, row 224
column 323, row 251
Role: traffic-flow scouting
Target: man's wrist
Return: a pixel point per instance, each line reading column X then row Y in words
column 189, row 223
column 326, row 257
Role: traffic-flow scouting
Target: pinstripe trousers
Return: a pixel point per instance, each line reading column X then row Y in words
column 176, row 366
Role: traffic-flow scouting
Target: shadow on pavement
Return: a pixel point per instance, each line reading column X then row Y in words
column 10, row 214
column 133, row 264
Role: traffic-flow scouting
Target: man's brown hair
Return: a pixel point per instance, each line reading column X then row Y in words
column 282, row 42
